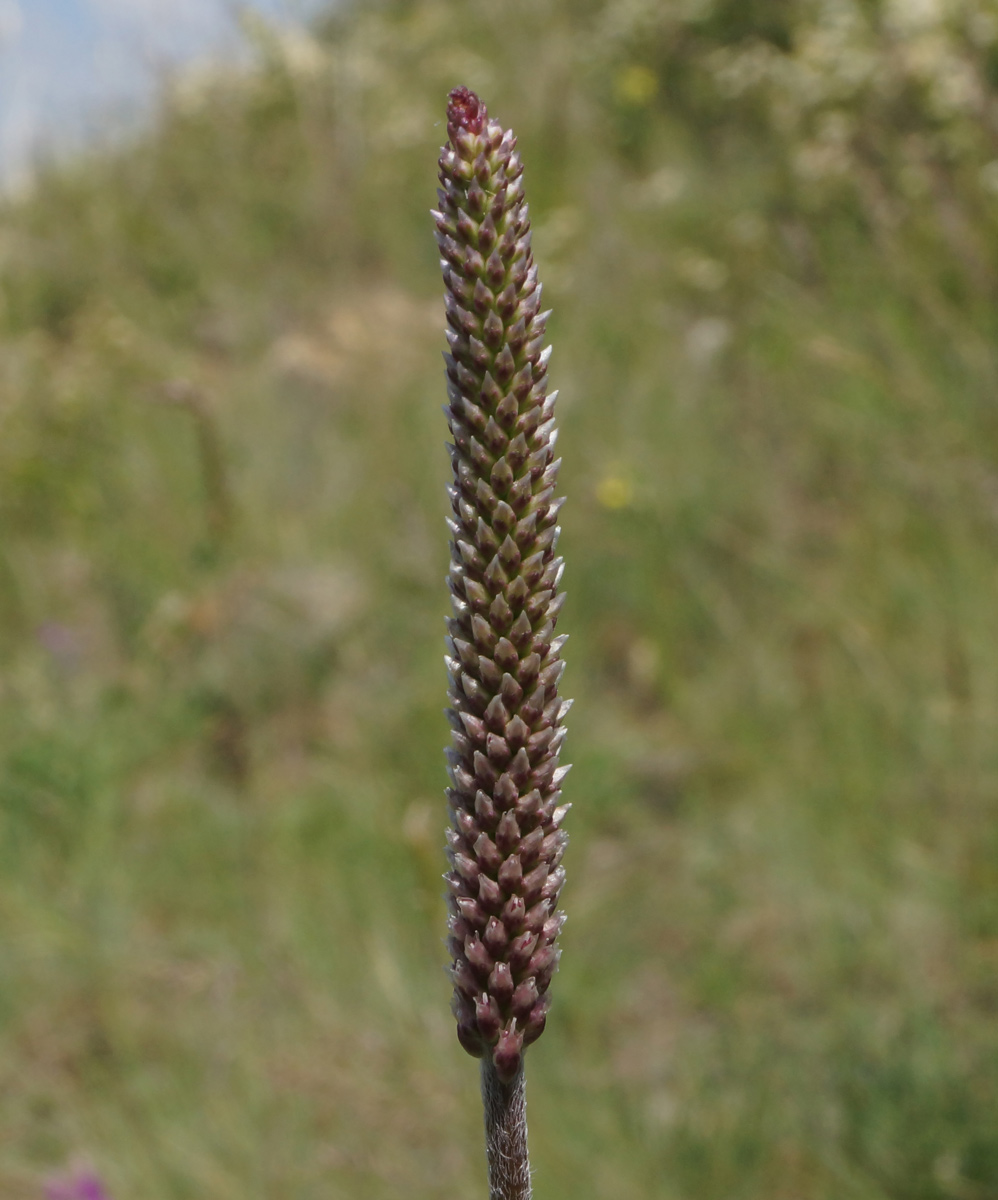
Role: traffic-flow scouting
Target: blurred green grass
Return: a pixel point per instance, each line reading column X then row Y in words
column 770, row 244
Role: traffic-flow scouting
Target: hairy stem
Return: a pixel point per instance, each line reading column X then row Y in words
column 506, row 1134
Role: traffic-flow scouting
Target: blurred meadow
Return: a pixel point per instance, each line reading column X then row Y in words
column 769, row 233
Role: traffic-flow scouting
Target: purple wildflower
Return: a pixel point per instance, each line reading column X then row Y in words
column 77, row 1185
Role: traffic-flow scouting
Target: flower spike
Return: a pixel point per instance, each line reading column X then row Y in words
column 505, row 842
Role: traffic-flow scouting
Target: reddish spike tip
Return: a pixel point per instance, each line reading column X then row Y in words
column 466, row 111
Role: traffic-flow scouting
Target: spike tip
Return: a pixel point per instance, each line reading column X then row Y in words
column 465, row 111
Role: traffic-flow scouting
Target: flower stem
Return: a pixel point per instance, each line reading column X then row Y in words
column 506, row 1133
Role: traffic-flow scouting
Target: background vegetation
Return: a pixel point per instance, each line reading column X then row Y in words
column 769, row 232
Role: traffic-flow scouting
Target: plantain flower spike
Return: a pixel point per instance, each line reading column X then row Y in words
column 505, row 844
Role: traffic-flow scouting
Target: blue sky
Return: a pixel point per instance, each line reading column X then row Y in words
column 69, row 67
